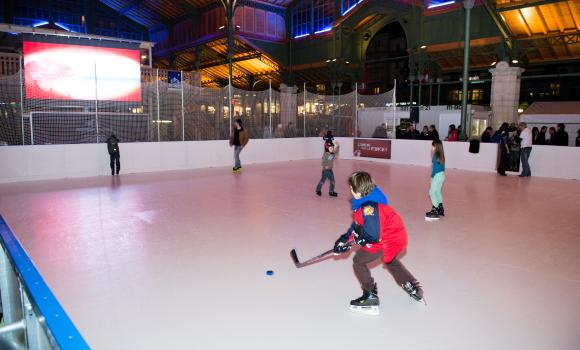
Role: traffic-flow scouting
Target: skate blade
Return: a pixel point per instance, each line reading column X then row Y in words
column 367, row 310
column 432, row 219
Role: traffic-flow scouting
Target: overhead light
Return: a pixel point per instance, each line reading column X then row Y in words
column 493, row 63
column 238, row 27
column 515, row 61
column 334, row 60
column 432, row 6
column 41, row 23
column 221, row 27
column 423, row 46
column 347, row 62
column 328, row 61
column 301, row 36
column 62, row 26
column 323, row 30
column 143, row 57
column 520, row 110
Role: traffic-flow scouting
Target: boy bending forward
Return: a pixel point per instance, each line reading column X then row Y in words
column 380, row 231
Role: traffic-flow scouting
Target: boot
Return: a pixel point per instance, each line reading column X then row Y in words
column 433, row 214
column 441, row 210
column 414, row 290
column 368, row 303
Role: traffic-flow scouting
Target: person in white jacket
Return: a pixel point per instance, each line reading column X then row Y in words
column 526, row 149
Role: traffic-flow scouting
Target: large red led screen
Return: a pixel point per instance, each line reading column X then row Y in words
column 75, row 72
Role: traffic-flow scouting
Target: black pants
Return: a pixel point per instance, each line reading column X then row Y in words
column 363, row 274
column 115, row 160
column 504, row 160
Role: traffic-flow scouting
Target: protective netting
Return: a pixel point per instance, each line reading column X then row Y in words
column 376, row 114
column 167, row 111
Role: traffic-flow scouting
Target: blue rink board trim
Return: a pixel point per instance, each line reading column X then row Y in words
column 61, row 327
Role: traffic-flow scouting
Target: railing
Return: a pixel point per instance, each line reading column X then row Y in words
column 33, row 318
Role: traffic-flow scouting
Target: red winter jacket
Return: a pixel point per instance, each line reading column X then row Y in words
column 382, row 219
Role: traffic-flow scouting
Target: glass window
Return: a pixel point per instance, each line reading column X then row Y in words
column 312, row 16
column 323, row 15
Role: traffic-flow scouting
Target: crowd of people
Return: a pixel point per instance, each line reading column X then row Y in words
column 553, row 136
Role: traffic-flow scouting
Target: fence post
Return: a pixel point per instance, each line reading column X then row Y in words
column 157, row 92
column 394, row 108
column 270, row 104
column 182, row 109
column 304, row 108
column 96, row 105
column 356, row 109
column 21, row 99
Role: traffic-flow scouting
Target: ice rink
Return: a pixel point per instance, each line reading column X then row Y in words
column 178, row 260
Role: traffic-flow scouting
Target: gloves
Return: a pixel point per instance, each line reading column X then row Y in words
column 357, row 231
column 341, row 246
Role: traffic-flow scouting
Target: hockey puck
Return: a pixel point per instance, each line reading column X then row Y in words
column 269, row 272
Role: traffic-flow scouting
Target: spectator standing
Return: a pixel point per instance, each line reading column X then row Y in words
column 452, row 135
column 433, row 133
column 561, row 135
column 552, row 141
column 291, row 130
column 535, row 134
column 412, row 133
column 486, row 136
column 541, row 139
column 525, row 149
column 425, row 133
column 504, row 149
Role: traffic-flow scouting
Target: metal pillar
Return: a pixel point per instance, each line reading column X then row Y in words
column 394, row 107
column 468, row 5
column 419, row 102
column 411, row 94
column 182, row 109
column 356, row 109
column 438, row 93
column 96, row 105
column 158, row 107
column 229, row 6
column 304, row 109
column 22, row 99
column 270, row 104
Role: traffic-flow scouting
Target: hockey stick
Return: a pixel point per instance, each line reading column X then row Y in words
column 315, row 259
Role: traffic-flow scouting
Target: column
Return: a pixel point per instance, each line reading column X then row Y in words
column 505, row 93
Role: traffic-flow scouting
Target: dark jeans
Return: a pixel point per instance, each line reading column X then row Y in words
column 326, row 174
column 363, row 274
column 526, row 151
column 115, row 160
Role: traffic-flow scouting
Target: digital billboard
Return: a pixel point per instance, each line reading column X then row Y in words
column 77, row 72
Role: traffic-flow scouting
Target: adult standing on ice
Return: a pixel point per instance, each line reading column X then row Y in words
column 114, row 153
column 238, row 139
column 380, row 232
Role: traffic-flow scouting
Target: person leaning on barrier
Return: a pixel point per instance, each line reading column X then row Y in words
column 114, row 153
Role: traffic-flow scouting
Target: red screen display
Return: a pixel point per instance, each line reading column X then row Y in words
column 75, row 72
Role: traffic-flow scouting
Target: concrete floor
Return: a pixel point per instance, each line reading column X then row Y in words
column 178, row 260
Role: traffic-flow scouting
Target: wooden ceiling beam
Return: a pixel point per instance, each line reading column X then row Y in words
column 526, row 25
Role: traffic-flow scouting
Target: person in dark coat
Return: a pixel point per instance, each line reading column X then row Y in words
column 433, row 133
column 541, row 139
column 486, row 136
column 504, row 149
column 561, row 135
column 114, row 154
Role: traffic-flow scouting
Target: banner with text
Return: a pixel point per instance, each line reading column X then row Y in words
column 372, row 148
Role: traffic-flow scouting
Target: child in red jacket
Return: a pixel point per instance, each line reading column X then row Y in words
column 380, row 231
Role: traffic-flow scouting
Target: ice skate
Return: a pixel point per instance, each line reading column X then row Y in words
column 333, row 194
column 319, row 193
column 432, row 215
column 415, row 291
column 368, row 303
column 441, row 210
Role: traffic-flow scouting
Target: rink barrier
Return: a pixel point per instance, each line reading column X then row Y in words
column 33, row 317
column 45, row 162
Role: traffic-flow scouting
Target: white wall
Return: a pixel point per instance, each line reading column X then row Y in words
column 545, row 161
column 22, row 163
